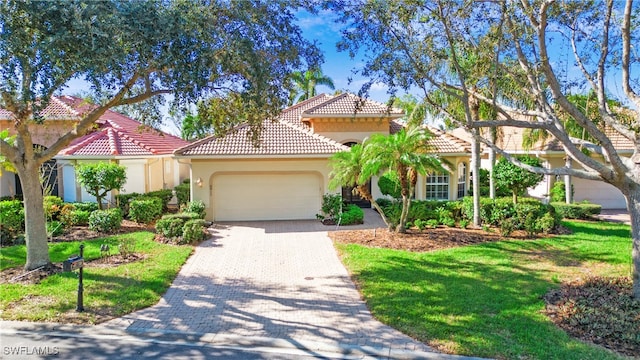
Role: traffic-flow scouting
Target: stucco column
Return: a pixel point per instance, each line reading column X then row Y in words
column 567, row 182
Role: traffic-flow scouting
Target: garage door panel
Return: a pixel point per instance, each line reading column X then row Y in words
column 598, row 192
column 258, row 196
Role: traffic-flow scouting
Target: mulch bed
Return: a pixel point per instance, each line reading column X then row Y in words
column 419, row 241
column 79, row 233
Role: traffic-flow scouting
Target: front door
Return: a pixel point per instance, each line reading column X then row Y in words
column 349, row 196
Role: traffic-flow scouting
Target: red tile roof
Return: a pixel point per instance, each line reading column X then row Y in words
column 118, row 135
column 57, row 109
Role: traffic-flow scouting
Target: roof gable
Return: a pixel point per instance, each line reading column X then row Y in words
column 350, row 105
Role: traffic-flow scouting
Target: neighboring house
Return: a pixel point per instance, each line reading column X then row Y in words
column 146, row 153
column 553, row 155
column 286, row 175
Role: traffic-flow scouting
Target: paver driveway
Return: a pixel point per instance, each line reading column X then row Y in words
column 268, row 279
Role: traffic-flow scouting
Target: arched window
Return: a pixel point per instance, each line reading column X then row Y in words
column 462, row 180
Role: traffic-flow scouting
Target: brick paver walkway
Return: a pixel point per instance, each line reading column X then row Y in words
column 268, row 279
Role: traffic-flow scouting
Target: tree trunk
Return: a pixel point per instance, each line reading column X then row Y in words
column 406, row 200
column 492, row 183
column 475, row 165
column 363, row 191
column 35, row 222
column 633, row 201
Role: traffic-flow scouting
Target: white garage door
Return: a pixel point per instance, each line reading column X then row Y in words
column 259, row 196
column 598, row 192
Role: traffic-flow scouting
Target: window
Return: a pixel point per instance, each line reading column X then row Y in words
column 437, row 187
column 462, row 180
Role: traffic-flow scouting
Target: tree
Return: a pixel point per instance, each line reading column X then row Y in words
column 100, row 178
column 515, row 178
column 305, row 84
column 188, row 49
column 193, row 128
column 350, row 168
column 414, row 44
column 389, row 185
column 406, row 154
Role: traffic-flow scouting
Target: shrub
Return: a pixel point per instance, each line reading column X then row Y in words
column 127, row 246
column 123, row 201
column 384, row 202
column 55, row 228
column 547, row 223
column 105, row 220
column 576, row 211
column 170, row 227
column 145, row 209
column 420, row 224
column 186, row 216
column 71, row 216
column 100, row 178
column 558, row 192
column 197, row 207
column 164, row 195
column 183, row 192
column 353, row 214
column 514, row 178
column 193, row 231
column 52, row 206
column 463, row 223
column 11, row 220
column 432, row 223
column 507, row 226
column 85, row 206
column 331, row 206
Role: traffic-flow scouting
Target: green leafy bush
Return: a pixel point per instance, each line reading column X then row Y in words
column 547, row 223
column 186, row 216
column 145, row 209
column 331, row 207
column 576, row 210
column 164, row 194
column 463, row 223
column 558, row 192
column 11, row 220
column 100, row 178
column 105, row 221
column 197, row 207
column 170, row 227
column 85, row 206
column 52, row 206
column 353, row 214
column 507, row 226
column 183, row 192
column 80, row 217
column 193, row 231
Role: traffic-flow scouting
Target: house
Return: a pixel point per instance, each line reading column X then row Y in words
column 552, row 153
column 286, row 176
column 146, row 153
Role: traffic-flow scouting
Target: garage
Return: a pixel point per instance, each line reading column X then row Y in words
column 266, row 196
column 598, row 192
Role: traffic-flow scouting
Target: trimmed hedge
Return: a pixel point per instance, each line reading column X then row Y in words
column 105, row 220
column 170, row 227
column 11, row 220
column 193, row 231
column 197, row 207
column 183, row 192
column 576, row 210
column 145, row 209
column 351, row 215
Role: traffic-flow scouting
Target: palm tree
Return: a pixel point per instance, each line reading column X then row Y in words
column 405, row 153
column 349, row 168
column 305, row 84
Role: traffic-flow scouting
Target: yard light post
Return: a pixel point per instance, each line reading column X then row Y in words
column 80, row 306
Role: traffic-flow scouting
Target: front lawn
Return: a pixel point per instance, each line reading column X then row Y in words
column 487, row 299
column 110, row 290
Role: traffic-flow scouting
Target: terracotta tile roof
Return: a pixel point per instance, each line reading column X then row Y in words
column 292, row 113
column 350, row 105
column 441, row 142
column 57, row 109
column 118, row 135
column 276, row 138
column 619, row 142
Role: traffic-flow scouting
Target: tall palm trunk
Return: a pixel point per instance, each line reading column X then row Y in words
column 406, row 199
column 474, row 107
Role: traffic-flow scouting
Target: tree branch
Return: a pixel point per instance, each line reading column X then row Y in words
column 626, row 46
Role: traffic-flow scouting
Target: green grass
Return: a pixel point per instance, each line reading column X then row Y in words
column 108, row 291
column 486, row 300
